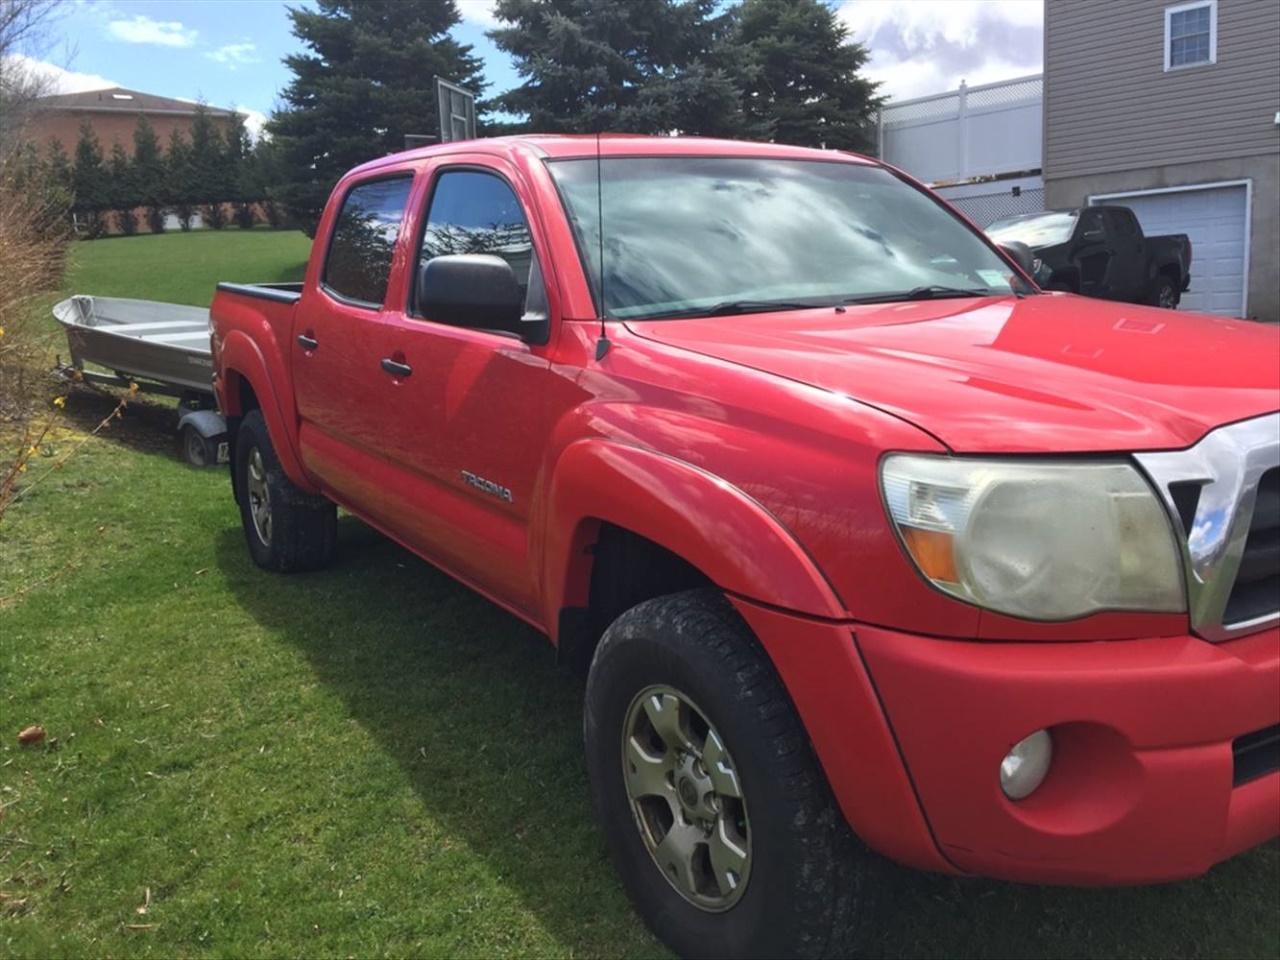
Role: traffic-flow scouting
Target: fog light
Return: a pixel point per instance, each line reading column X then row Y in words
column 1025, row 766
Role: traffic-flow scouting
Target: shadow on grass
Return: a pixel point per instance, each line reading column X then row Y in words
column 469, row 703
column 468, row 700
column 148, row 424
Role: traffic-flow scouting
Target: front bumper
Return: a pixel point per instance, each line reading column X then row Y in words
column 1143, row 786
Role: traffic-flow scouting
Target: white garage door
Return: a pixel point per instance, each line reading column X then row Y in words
column 1214, row 218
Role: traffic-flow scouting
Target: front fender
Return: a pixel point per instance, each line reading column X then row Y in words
column 240, row 358
column 714, row 526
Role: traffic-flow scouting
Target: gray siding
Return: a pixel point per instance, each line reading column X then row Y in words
column 1110, row 105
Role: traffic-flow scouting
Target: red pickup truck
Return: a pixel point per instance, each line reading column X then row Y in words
column 870, row 546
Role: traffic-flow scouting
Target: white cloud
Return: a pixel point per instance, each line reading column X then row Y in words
column 254, row 121
column 142, row 29
column 479, row 11
column 234, row 54
column 59, row 80
column 919, row 47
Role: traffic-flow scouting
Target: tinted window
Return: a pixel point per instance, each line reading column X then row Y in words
column 475, row 212
column 1091, row 227
column 364, row 238
column 687, row 234
column 1123, row 222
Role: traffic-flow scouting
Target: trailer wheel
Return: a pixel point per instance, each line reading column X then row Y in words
column 197, row 449
column 286, row 529
column 717, row 814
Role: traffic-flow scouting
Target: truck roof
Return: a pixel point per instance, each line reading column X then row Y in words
column 566, row 146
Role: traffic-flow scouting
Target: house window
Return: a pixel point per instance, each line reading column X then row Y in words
column 1191, row 34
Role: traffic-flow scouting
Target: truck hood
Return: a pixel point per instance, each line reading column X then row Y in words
column 1046, row 374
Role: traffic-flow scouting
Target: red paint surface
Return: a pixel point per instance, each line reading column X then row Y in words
column 750, row 446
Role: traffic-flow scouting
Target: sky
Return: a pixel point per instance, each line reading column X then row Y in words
column 229, row 52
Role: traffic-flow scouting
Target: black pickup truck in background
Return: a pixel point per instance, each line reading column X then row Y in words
column 1101, row 252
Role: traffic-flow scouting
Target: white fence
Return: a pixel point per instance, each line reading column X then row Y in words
column 981, row 131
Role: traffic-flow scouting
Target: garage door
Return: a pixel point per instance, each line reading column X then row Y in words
column 1214, row 218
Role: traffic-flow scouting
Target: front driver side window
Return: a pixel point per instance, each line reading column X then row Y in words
column 474, row 212
column 1091, row 227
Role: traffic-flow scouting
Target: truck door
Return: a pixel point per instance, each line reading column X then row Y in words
column 468, row 420
column 335, row 369
column 1092, row 250
column 1127, row 278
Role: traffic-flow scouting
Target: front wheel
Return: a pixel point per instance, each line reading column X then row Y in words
column 716, row 812
column 286, row 529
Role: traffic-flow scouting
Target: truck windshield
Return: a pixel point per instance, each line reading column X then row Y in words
column 691, row 236
column 1035, row 230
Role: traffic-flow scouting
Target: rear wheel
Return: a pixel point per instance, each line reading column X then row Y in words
column 286, row 529
column 1162, row 293
column 717, row 814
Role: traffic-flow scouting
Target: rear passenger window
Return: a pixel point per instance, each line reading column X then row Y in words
column 364, row 238
column 1124, row 223
column 473, row 212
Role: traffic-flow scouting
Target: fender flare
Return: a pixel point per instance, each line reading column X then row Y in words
column 719, row 529
column 241, row 357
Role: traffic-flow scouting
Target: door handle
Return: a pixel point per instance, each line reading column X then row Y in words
column 307, row 342
column 396, row 369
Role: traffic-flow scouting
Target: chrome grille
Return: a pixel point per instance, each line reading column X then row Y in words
column 1224, row 497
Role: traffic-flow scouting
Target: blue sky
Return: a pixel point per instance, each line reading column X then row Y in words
column 229, row 52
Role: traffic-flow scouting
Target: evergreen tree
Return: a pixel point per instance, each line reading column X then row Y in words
column 149, row 174
column 804, row 85
column 238, row 166
column 122, row 189
column 181, row 191
column 89, row 182
column 366, row 81
column 59, row 165
column 208, row 171
column 661, row 66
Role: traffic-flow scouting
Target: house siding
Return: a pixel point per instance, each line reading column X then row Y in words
column 1111, row 106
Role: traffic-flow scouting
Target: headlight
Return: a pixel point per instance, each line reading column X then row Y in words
column 1042, row 541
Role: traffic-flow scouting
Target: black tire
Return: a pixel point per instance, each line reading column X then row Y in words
column 197, row 450
column 1163, row 293
column 810, row 886
column 298, row 530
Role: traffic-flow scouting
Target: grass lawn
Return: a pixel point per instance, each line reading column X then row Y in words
column 365, row 761
column 185, row 267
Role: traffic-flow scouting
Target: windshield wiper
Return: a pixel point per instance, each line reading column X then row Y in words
column 932, row 292
column 728, row 308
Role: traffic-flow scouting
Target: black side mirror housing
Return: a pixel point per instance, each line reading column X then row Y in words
column 475, row 290
column 1022, row 255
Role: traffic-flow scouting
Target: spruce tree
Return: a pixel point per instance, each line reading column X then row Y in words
column 122, row 190
column 181, row 191
column 208, row 171
column 365, row 81
column 89, row 182
column 661, row 66
column 803, row 85
column 149, row 173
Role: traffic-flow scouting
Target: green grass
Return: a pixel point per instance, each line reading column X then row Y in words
column 186, row 267
column 370, row 760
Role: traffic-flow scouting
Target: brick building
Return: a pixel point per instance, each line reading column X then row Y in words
column 113, row 114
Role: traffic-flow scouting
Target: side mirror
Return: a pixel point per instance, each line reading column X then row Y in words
column 470, row 290
column 1022, row 255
